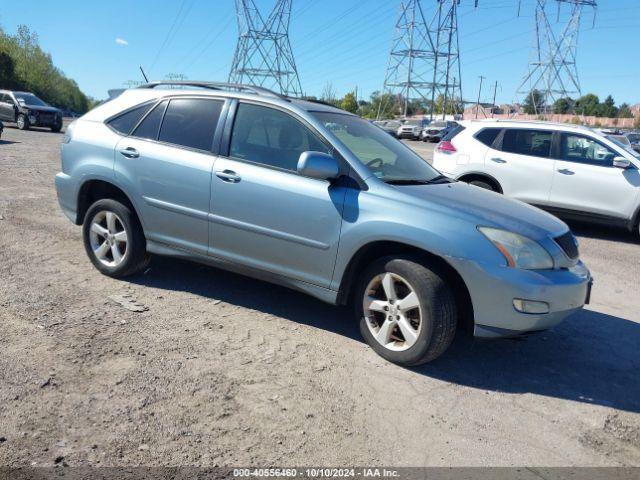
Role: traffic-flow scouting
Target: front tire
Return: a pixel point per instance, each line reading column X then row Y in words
column 57, row 127
column 407, row 311
column 483, row 184
column 113, row 239
column 23, row 122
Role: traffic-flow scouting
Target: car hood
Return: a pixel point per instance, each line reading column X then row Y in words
column 486, row 208
column 39, row 108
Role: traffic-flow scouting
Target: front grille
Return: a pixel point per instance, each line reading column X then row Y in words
column 45, row 117
column 569, row 245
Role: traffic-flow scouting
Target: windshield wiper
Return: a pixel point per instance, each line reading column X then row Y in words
column 413, row 181
column 406, row 181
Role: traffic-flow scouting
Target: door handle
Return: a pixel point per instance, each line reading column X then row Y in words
column 228, row 176
column 129, row 152
column 566, row 171
column 498, row 160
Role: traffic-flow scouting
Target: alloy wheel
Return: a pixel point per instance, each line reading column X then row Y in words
column 108, row 238
column 392, row 311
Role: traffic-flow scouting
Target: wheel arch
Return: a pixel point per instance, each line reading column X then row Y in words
column 470, row 176
column 377, row 249
column 95, row 189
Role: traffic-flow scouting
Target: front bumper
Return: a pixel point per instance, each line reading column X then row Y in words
column 493, row 289
column 44, row 120
column 407, row 135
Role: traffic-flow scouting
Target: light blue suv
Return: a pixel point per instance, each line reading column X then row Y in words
column 313, row 198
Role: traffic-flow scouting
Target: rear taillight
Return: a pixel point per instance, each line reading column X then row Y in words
column 446, row 147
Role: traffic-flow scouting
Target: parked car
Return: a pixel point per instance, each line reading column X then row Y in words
column 634, row 139
column 26, row 110
column 411, row 129
column 437, row 130
column 572, row 171
column 389, row 126
column 255, row 182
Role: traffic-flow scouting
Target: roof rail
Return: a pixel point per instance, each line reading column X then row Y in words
column 216, row 86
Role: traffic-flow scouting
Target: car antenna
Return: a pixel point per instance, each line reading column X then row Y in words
column 144, row 74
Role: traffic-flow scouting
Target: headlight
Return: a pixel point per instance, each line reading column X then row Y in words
column 518, row 251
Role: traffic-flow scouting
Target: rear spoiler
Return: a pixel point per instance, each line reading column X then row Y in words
column 115, row 92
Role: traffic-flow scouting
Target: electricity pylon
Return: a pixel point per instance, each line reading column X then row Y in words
column 553, row 68
column 263, row 55
column 424, row 62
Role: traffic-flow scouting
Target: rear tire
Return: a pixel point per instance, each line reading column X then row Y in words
column 56, row 128
column 22, row 122
column 114, row 240
column 416, row 326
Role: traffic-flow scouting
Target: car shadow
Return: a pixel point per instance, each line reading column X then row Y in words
column 591, row 358
column 36, row 129
column 603, row 232
column 7, row 142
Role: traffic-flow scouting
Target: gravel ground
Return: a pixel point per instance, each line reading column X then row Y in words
column 224, row 370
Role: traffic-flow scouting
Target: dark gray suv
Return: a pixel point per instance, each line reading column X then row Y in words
column 27, row 110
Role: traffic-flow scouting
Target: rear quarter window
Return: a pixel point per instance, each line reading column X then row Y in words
column 454, row 132
column 125, row 122
column 487, row 136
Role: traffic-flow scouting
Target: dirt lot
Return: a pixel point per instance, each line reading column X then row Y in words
column 223, row 370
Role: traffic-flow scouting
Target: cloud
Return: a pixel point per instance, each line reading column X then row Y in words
column 122, row 41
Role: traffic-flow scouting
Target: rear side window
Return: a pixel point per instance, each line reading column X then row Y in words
column 150, row 126
column 536, row 143
column 488, row 136
column 124, row 123
column 191, row 122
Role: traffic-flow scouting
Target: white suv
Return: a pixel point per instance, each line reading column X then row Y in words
column 570, row 170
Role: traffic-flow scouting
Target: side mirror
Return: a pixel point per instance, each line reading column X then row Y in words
column 621, row 162
column 318, row 165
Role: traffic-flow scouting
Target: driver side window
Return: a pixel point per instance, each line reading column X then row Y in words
column 582, row 149
column 271, row 137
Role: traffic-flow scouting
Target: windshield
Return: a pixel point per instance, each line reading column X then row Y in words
column 624, row 144
column 439, row 124
column 385, row 157
column 29, row 99
column 621, row 140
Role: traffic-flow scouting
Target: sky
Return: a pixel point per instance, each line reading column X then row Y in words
column 342, row 42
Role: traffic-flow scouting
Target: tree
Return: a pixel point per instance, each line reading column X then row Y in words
column 454, row 105
column 608, row 108
column 534, row 103
column 587, row 105
column 563, row 106
column 25, row 66
column 386, row 104
column 349, row 103
column 7, row 74
column 625, row 111
column 329, row 94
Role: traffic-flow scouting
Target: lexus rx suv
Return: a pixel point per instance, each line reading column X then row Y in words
column 316, row 199
column 572, row 171
column 26, row 110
